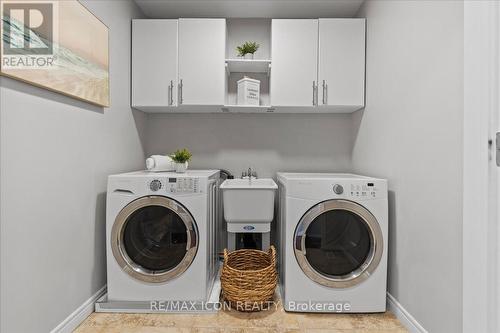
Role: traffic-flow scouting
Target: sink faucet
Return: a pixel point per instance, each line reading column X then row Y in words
column 249, row 173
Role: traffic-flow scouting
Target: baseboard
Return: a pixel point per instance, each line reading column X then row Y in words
column 79, row 315
column 404, row 316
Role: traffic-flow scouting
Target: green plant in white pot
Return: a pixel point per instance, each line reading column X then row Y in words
column 247, row 49
column 181, row 158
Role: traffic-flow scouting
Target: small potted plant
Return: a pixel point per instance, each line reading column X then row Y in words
column 247, row 49
column 181, row 158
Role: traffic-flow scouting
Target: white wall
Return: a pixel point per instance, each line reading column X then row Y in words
column 411, row 133
column 56, row 154
column 268, row 142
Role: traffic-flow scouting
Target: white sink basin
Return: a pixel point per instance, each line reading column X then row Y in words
column 248, row 201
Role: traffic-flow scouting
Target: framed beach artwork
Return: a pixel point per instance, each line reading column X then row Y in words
column 56, row 45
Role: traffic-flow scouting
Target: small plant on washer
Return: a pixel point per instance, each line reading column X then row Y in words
column 247, row 48
column 181, row 156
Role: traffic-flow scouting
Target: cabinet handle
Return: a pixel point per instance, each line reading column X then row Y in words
column 171, row 93
column 314, row 93
column 317, row 93
column 180, row 92
column 325, row 92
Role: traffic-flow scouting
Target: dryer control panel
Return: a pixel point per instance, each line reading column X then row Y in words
column 334, row 186
column 363, row 190
column 355, row 190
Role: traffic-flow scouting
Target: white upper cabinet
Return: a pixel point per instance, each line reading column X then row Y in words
column 294, row 72
column 202, row 48
column 154, row 63
column 303, row 65
column 342, row 63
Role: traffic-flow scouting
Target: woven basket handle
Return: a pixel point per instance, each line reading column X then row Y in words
column 226, row 255
column 272, row 253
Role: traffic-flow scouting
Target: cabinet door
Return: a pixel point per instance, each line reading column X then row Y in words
column 342, row 62
column 154, row 62
column 294, row 69
column 202, row 48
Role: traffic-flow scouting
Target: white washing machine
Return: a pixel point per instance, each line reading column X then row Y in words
column 333, row 242
column 161, row 235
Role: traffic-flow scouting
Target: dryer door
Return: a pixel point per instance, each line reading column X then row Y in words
column 154, row 239
column 338, row 243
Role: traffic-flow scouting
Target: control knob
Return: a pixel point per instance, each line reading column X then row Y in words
column 338, row 189
column 155, row 185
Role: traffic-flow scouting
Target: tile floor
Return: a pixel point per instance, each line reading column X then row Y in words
column 272, row 320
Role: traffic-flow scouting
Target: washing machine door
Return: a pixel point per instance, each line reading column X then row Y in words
column 154, row 239
column 338, row 243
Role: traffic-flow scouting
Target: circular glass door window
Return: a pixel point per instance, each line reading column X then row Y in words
column 154, row 239
column 338, row 243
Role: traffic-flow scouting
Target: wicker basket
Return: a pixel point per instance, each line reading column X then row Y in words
column 249, row 278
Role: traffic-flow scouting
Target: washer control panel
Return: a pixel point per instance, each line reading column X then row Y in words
column 183, row 185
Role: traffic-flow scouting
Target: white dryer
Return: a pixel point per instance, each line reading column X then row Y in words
column 333, row 242
column 161, row 235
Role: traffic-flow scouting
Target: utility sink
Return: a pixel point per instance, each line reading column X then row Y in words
column 249, row 201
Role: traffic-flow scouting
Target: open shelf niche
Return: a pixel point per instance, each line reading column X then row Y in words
column 238, row 32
